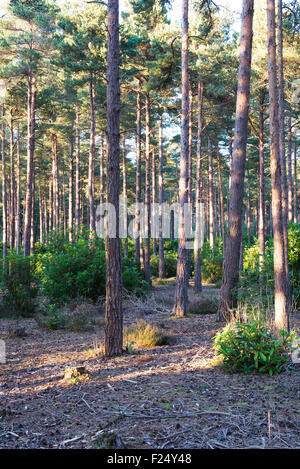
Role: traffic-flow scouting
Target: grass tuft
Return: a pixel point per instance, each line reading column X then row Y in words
column 144, row 334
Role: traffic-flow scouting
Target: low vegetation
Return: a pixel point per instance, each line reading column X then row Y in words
column 144, row 334
column 253, row 347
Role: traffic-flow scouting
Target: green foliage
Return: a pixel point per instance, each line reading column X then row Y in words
column 170, row 264
column 254, row 282
column 68, row 271
column 52, row 317
column 253, row 347
column 251, row 254
column 171, row 245
column 294, row 259
column 78, row 271
column 132, row 277
column 17, row 286
column 211, row 262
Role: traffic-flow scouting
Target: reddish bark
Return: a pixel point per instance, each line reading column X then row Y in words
column 234, row 236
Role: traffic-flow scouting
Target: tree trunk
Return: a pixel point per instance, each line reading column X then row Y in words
column 280, row 279
column 12, row 184
column 281, row 116
column 232, row 250
column 55, row 182
column 41, row 213
column 50, row 222
column 211, row 198
column 261, row 185
column 113, row 313
column 230, row 176
column 63, row 199
column 181, row 292
column 32, row 235
column 221, row 196
column 101, row 169
column 4, row 195
column 138, row 177
column 230, row 161
column 248, row 210
column 190, row 180
column 154, row 190
column 190, row 175
column 161, row 262
column 147, row 194
column 77, row 171
column 31, row 92
column 241, row 263
column 70, row 217
column 91, row 175
column 18, row 201
column 205, row 203
column 290, row 183
column 218, row 212
column 125, row 221
column 199, row 221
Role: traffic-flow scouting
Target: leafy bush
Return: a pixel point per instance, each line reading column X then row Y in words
column 251, row 256
column 170, row 264
column 294, row 260
column 211, row 262
column 253, row 347
column 132, row 276
column 171, row 245
column 17, row 285
column 249, row 278
column 78, row 270
column 144, row 334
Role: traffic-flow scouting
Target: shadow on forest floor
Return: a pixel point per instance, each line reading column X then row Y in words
column 164, row 397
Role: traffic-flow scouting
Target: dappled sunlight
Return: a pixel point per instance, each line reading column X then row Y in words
column 144, row 395
column 149, row 254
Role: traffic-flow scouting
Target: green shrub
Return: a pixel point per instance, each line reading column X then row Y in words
column 171, row 245
column 253, row 347
column 294, row 260
column 132, row 277
column 51, row 317
column 18, row 289
column 79, row 271
column 170, row 264
column 211, row 262
column 251, row 256
column 251, row 283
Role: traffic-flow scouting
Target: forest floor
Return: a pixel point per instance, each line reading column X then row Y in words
column 174, row 396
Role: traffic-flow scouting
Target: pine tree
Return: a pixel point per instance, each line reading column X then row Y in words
column 233, row 243
column 113, row 313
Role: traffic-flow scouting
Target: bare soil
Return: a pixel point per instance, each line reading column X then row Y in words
column 165, row 397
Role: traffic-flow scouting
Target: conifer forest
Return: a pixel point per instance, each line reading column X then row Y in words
column 149, row 227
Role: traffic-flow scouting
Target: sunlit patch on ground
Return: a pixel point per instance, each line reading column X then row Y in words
column 173, row 396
